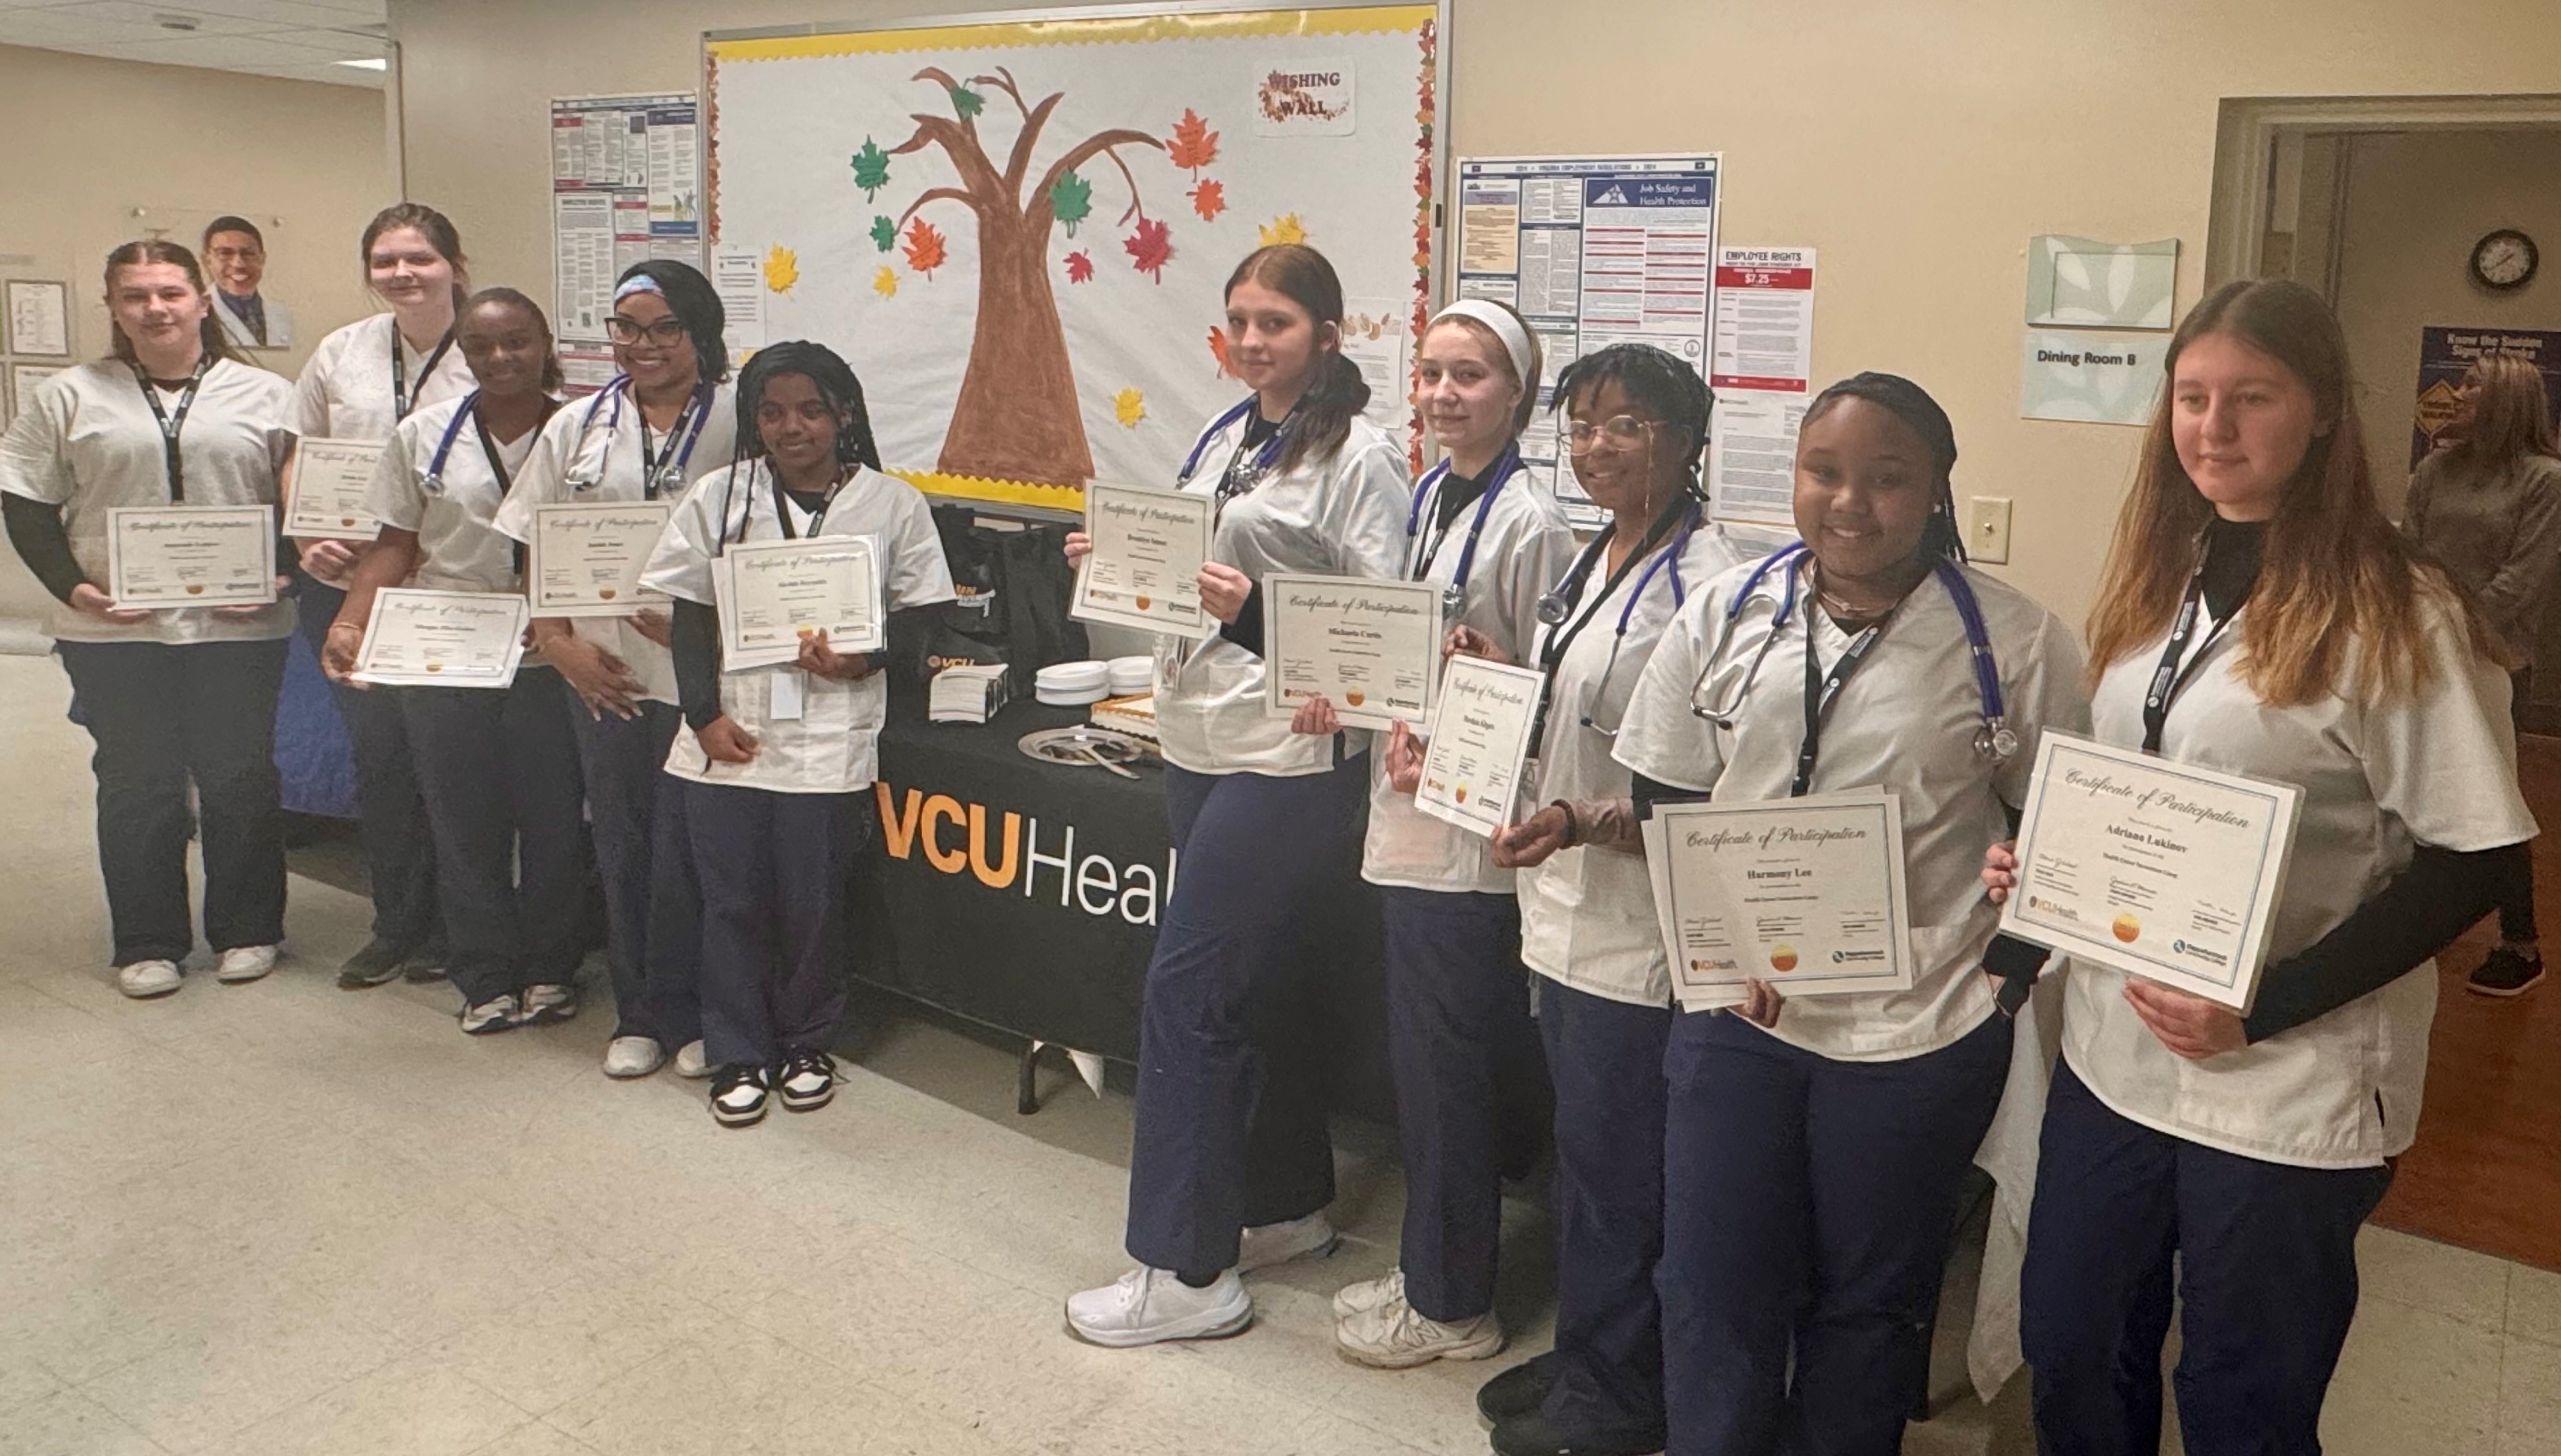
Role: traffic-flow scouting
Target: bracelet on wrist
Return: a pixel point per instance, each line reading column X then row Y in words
column 1573, row 826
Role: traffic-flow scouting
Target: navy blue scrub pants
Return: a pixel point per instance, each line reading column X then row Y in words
column 776, row 872
column 2265, row 1271
column 1605, row 1058
column 391, row 808
column 1458, row 1029
column 1232, row 1099
column 654, row 937
column 500, row 771
column 1811, row 1204
column 163, row 717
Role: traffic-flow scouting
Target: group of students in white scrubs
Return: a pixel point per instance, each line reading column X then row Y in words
column 621, row 753
column 1753, row 1202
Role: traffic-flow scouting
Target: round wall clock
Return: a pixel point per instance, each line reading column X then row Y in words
column 2505, row 259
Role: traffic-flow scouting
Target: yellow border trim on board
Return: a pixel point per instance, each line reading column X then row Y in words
column 982, row 491
column 1011, row 35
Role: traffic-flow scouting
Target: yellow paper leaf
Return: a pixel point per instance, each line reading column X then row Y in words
column 1129, row 407
column 782, row 268
column 1285, row 229
column 885, row 282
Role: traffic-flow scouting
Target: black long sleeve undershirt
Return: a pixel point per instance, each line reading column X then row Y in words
column 694, row 638
column 36, row 530
column 1247, row 630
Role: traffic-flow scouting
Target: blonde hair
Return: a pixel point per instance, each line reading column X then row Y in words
column 2337, row 579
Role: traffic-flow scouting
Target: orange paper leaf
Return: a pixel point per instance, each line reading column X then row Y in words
column 924, row 250
column 1194, row 145
column 1218, row 351
column 1209, row 200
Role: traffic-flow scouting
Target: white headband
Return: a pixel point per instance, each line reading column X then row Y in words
column 1515, row 339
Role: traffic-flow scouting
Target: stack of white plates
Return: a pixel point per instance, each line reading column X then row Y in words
column 1132, row 675
column 1073, row 684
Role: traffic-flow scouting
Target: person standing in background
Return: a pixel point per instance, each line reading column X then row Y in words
column 2487, row 509
column 362, row 381
column 235, row 252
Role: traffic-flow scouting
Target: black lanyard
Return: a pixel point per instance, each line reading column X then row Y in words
column 489, row 446
column 1820, row 688
column 1551, row 653
column 2171, row 678
column 171, row 425
column 661, row 469
column 401, row 401
column 783, row 505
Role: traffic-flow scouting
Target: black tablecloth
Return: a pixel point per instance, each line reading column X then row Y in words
column 1025, row 894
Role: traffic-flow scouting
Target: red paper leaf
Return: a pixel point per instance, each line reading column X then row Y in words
column 1209, row 200
column 1080, row 267
column 1150, row 247
column 1194, row 145
column 925, row 250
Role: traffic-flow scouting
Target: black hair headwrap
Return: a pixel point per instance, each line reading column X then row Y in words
column 692, row 299
column 1912, row 404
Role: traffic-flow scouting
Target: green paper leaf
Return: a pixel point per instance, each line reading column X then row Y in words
column 884, row 233
column 966, row 104
column 1071, row 201
column 871, row 169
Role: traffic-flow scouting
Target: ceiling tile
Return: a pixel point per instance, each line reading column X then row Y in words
column 143, row 17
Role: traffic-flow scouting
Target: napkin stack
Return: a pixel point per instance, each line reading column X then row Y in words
column 966, row 694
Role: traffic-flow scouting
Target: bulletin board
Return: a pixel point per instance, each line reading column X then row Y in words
column 1018, row 228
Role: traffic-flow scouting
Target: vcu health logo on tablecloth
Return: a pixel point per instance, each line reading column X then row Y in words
column 1004, row 851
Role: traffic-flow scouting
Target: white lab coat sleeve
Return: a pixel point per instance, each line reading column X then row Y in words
column 543, row 479
column 681, row 564
column 398, row 495
column 1367, row 514
column 917, row 573
column 1545, row 553
column 2442, row 760
column 1660, row 737
column 33, row 461
column 311, row 412
column 2043, row 691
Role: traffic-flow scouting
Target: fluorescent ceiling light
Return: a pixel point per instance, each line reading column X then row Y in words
column 372, row 62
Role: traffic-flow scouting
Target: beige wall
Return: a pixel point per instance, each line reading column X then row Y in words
column 2417, row 202
column 1918, row 146
column 92, row 140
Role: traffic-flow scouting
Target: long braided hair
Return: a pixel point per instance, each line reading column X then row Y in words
column 834, row 379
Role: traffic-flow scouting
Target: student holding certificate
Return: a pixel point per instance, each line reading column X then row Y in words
column 2259, row 616
column 1460, row 1043
column 1233, row 1165
column 180, row 694
column 667, row 421
column 498, row 766
column 1636, row 429
column 775, row 774
column 1815, row 1145
column 360, row 382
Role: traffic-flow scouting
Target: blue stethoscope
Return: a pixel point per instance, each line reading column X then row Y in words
column 433, row 481
column 1453, row 596
column 1994, row 741
column 1240, row 473
column 1557, row 606
column 667, row 472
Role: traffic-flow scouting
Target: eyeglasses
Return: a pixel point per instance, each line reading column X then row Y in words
column 235, row 254
column 1617, row 432
column 621, row 330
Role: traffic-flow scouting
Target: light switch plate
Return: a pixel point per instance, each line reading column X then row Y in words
column 1987, row 528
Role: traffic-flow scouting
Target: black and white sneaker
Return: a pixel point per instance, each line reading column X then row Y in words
column 2506, row 972
column 497, row 1013
column 807, row 1080
column 739, row 1094
column 550, row 1003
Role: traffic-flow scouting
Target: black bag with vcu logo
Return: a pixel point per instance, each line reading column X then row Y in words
column 1013, row 585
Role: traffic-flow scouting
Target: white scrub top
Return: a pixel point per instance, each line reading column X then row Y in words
column 458, row 550
column 1587, row 912
column 345, row 392
column 88, row 442
column 591, row 454
column 1526, row 548
column 833, row 747
column 1340, row 515
column 1904, row 721
column 2378, row 777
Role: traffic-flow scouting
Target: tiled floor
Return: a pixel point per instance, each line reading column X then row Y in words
column 283, row 1219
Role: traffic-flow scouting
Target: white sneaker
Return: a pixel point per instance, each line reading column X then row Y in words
column 145, row 979
column 1394, row 1336
column 245, row 963
column 1267, row 1245
column 690, row 1062
column 494, row 1014
column 1368, row 1294
column 1146, row 1306
column 630, row 1057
